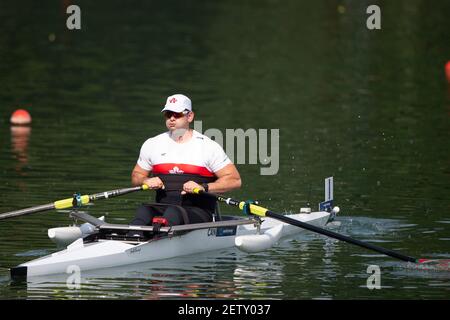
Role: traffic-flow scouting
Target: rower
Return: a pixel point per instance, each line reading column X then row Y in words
column 175, row 162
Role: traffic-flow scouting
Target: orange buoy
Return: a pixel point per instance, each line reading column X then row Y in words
column 447, row 71
column 20, row 116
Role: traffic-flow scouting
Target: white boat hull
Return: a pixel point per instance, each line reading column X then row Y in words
column 112, row 253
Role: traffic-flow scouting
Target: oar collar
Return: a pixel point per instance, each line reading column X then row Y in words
column 77, row 202
column 246, row 206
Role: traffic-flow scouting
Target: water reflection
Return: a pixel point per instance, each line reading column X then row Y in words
column 256, row 279
column 20, row 136
column 185, row 277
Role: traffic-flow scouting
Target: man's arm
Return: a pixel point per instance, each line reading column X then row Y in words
column 139, row 175
column 228, row 179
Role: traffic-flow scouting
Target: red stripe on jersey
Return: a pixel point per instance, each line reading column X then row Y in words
column 179, row 168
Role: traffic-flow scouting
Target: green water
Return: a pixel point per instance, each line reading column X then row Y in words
column 370, row 108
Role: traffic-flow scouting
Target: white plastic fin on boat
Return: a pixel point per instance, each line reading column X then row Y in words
column 66, row 235
column 259, row 242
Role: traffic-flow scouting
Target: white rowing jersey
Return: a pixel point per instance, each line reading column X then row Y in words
column 200, row 155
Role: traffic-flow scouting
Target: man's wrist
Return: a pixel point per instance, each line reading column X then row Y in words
column 205, row 187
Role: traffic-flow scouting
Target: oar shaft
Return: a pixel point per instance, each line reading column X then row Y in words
column 115, row 193
column 341, row 237
column 263, row 212
column 68, row 203
column 23, row 212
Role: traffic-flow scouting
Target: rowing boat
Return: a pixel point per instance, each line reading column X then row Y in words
column 97, row 244
column 108, row 247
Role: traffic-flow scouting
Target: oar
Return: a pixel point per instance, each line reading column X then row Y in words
column 72, row 202
column 263, row 212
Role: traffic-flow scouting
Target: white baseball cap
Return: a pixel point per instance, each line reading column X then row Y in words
column 177, row 103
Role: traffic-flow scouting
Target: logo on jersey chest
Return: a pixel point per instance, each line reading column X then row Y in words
column 176, row 170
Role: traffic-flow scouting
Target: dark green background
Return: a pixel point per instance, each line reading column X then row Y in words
column 370, row 108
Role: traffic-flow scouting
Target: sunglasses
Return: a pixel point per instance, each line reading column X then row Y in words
column 176, row 115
